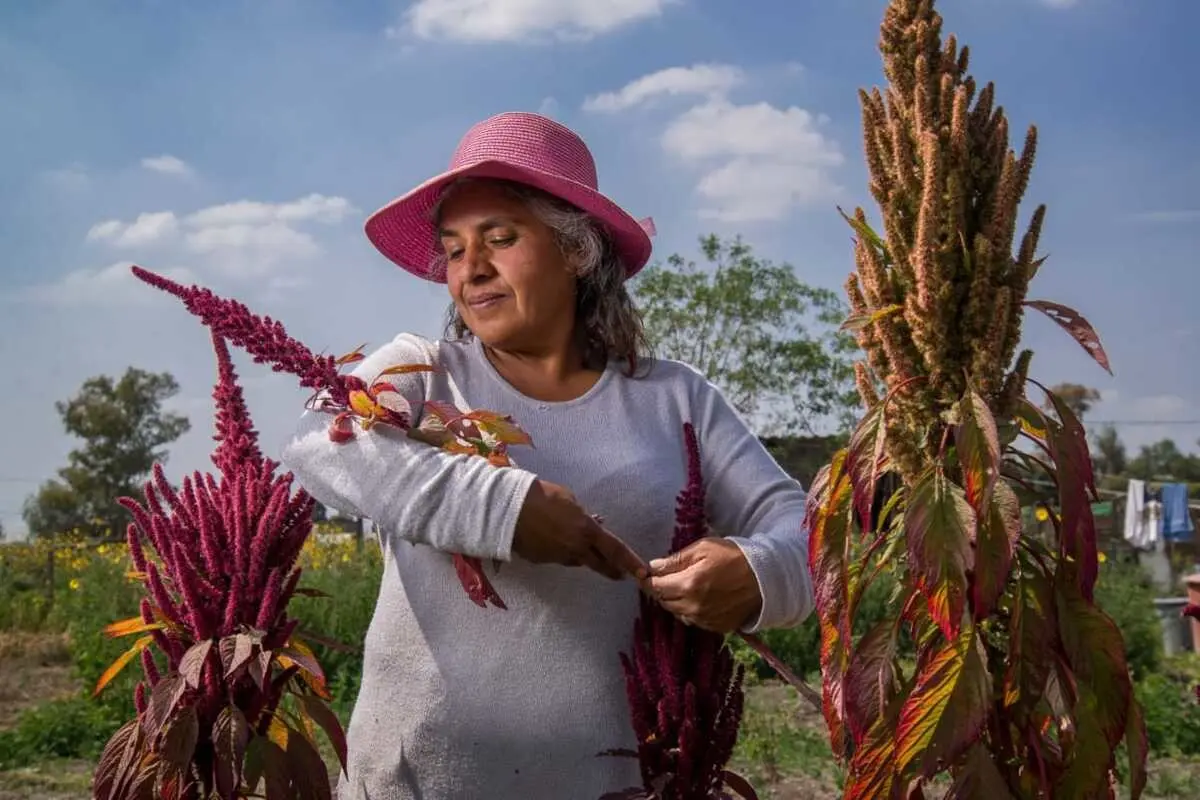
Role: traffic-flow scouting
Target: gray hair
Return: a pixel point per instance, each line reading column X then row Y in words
column 603, row 306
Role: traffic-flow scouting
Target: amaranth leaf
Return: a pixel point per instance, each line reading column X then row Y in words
column 1080, row 329
column 939, row 524
column 978, row 446
column 947, row 709
column 995, row 540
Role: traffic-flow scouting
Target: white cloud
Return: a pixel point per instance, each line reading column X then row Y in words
column 246, row 238
column 168, row 165
column 524, row 20
column 312, row 208
column 754, row 161
column 111, row 285
column 699, row 79
column 148, row 228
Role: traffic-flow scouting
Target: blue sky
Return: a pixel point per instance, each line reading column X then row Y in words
column 241, row 144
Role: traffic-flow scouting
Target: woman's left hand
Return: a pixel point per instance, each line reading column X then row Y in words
column 708, row 584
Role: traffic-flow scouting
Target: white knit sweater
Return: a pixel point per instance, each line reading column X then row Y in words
column 463, row 702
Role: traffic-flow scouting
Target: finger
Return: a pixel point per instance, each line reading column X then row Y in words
column 620, row 554
column 597, row 561
column 672, row 587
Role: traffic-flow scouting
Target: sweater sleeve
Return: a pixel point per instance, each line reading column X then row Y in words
column 758, row 506
column 413, row 491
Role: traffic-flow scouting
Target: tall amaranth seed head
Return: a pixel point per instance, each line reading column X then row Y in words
column 1020, row 686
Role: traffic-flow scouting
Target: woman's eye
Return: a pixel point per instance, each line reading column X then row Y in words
column 503, row 241
column 454, row 253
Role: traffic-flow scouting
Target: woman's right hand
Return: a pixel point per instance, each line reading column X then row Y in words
column 553, row 528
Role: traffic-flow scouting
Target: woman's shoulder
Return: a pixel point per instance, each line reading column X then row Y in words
column 669, row 372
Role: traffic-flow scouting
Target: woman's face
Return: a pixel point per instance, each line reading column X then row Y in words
column 504, row 270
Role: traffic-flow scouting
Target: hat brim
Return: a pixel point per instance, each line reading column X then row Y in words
column 403, row 229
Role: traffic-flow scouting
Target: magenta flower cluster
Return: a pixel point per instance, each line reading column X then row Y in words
column 684, row 690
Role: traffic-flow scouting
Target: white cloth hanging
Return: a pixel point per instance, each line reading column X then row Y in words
column 1138, row 531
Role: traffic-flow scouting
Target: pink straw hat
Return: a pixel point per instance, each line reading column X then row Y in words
column 517, row 146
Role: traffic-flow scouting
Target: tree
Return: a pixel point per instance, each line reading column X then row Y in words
column 124, row 430
column 1078, row 398
column 766, row 338
column 1110, row 456
column 1163, row 460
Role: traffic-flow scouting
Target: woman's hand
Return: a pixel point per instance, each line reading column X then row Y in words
column 553, row 528
column 708, row 584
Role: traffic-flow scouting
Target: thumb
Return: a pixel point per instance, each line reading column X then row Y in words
column 675, row 562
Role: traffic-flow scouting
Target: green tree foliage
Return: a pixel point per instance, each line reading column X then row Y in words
column 124, row 430
column 1110, row 456
column 766, row 338
column 1079, row 398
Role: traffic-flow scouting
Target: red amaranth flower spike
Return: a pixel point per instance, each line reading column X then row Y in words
column 231, row 652
column 347, row 398
column 683, row 686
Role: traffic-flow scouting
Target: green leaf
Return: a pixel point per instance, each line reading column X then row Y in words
column 856, row 322
column 939, row 524
column 995, row 540
column 978, row 446
column 947, row 709
column 230, row 735
column 871, row 679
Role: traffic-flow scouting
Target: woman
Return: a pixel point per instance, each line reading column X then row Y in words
column 463, row 702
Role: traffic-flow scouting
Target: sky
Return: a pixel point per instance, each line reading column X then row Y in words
column 241, row 145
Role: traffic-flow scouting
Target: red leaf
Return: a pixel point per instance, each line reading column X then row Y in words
column 1031, row 635
column 1138, row 747
column 1076, row 488
column 978, row 447
column 179, row 740
column 831, row 517
column 871, row 678
column 1080, row 329
column 310, row 777
column 980, row 778
column 475, row 582
column 863, row 456
column 872, row 770
column 163, row 699
column 236, row 651
column 947, row 709
column 1095, row 651
column 739, row 784
column 192, row 663
column 118, row 762
column 323, row 716
column 995, row 540
column 300, row 655
column 938, row 526
column 230, row 734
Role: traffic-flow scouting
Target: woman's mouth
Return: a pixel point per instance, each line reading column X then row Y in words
column 485, row 301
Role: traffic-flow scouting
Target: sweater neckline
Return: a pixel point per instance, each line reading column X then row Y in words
column 605, row 377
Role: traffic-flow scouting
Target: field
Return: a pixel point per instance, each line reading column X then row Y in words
column 51, row 653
